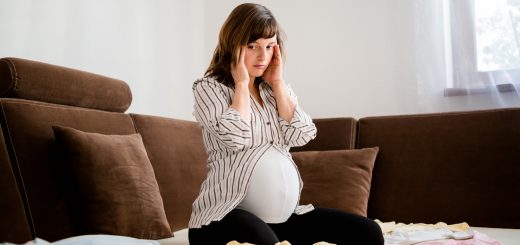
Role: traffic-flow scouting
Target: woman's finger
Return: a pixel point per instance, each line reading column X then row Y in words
column 242, row 55
column 277, row 53
column 237, row 55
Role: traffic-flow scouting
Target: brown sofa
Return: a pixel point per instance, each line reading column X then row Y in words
column 451, row 167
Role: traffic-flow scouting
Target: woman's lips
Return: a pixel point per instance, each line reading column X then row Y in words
column 259, row 66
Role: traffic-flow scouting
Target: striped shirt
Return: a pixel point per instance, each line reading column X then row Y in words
column 234, row 145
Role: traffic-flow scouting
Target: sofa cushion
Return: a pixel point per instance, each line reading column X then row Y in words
column 32, row 80
column 337, row 179
column 115, row 191
column 179, row 158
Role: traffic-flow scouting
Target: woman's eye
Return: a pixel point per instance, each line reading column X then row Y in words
column 251, row 47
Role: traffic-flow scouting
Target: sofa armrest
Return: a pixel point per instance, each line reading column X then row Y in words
column 333, row 134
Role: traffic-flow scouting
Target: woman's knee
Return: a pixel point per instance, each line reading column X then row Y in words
column 351, row 228
column 238, row 225
column 372, row 232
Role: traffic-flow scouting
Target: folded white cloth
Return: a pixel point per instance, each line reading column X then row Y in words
column 405, row 234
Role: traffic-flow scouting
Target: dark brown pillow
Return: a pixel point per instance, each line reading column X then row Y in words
column 337, row 179
column 113, row 183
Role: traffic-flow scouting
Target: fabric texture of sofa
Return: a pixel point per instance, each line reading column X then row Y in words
column 72, row 162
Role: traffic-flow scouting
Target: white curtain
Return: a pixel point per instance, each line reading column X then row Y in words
column 468, row 51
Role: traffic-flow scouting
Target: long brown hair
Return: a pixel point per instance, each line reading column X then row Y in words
column 247, row 23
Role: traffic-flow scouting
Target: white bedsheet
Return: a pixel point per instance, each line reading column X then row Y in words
column 179, row 238
column 505, row 236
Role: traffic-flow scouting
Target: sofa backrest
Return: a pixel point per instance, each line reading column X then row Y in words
column 333, row 134
column 38, row 81
column 14, row 226
column 450, row 167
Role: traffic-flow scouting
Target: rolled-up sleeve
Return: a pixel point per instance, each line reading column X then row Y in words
column 213, row 112
column 300, row 129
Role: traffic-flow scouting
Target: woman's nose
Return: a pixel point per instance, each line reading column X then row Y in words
column 262, row 54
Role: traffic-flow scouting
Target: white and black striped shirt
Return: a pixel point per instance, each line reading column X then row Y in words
column 234, row 145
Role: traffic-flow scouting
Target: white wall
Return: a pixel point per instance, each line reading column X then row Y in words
column 345, row 57
column 155, row 46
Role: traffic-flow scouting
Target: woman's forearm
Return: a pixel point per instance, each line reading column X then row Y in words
column 241, row 101
column 286, row 105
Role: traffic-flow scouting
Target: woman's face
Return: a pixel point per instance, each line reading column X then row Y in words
column 258, row 56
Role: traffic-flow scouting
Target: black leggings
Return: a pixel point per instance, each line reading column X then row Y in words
column 321, row 224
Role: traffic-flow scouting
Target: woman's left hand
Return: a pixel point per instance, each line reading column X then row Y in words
column 273, row 74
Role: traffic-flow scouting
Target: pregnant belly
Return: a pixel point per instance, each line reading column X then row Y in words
column 273, row 189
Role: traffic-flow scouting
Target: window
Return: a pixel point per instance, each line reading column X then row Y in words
column 484, row 39
column 497, row 32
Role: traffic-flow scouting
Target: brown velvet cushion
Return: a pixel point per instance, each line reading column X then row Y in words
column 337, row 179
column 115, row 191
column 179, row 177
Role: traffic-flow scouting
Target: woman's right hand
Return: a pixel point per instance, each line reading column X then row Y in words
column 241, row 101
column 238, row 67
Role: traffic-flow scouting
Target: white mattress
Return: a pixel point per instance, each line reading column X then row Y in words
column 179, row 238
column 505, row 236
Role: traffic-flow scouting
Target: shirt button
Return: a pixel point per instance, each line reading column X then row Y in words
column 271, row 142
column 268, row 123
